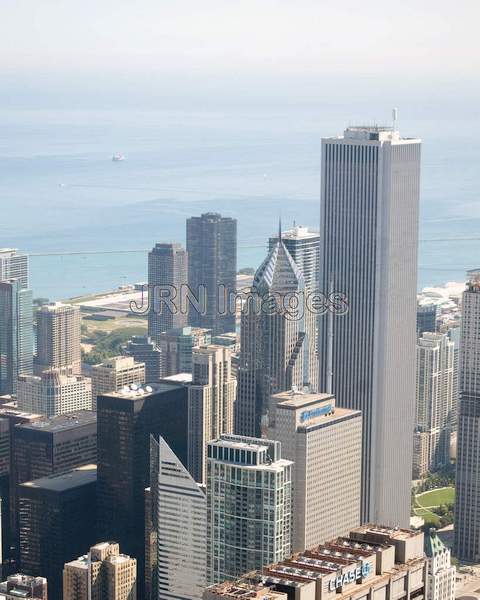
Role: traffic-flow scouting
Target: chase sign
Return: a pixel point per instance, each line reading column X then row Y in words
column 306, row 415
column 350, row 577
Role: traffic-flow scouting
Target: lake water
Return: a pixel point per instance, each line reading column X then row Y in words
column 60, row 192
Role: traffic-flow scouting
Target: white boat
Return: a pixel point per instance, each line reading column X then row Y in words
column 118, row 157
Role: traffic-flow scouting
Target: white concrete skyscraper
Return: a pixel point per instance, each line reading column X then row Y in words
column 467, row 480
column 368, row 251
column 14, row 265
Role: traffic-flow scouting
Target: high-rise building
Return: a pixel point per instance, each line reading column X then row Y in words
column 368, row 253
column 434, row 409
column 371, row 562
column 102, row 574
column 177, row 345
column 126, row 420
column 426, row 318
column 16, row 334
column 54, row 393
column 44, row 447
column 58, row 338
column 304, row 247
column 56, row 520
column 14, row 265
column 180, row 517
column 277, row 348
column 211, row 401
column 23, row 586
column 167, row 278
column 112, row 374
column 212, row 267
column 441, row 572
column 145, row 350
column 325, row 444
column 467, row 481
column 249, row 506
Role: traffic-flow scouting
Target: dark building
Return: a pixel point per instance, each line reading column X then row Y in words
column 145, row 349
column 56, row 523
column 126, row 419
column 9, row 418
column 426, row 318
column 52, row 447
column 212, row 263
column 167, row 277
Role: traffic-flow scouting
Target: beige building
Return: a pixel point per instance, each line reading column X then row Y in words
column 211, row 400
column 102, row 574
column 371, row 563
column 114, row 373
column 58, row 337
column 325, row 444
column 53, row 393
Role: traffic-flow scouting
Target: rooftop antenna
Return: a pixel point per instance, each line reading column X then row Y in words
column 394, row 118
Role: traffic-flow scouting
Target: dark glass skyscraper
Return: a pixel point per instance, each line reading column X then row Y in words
column 212, row 263
column 167, row 275
column 16, row 334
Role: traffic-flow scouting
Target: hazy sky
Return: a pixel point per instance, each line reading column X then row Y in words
column 51, row 45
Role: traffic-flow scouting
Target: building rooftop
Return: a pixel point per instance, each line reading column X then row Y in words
column 183, row 378
column 62, row 422
column 299, row 233
column 135, row 391
column 61, row 483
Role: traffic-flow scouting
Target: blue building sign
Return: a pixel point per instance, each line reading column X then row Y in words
column 350, row 577
column 315, row 412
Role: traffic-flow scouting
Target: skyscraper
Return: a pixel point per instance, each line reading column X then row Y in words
column 211, row 400
column 426, row 318
column 176, row 346
column 277, row 349
column 467, row 481
column 126, row 420
column 102, row 574
column 212, row 266
column 145, row 350
column 112, row 374
column 54, row 393
column 56, row 520
column 249, row 506
column 325, row 444
column 181, row 522
column 14, row 265
column 58, row 337
column 167, row 275
column 16, row 334
column 441, row 572
column 434, row 409
column 368, row 252
column 304, row 247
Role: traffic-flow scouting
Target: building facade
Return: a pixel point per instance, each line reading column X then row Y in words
column 426, row 318
column 102, row 574
column 16, row 334
column 371, row 563
column 177, row 345
column 58, row 338
column 278, row 340
column 112, row 374
column 56, row 513
column 126, row 420
column 14, row 265
column 325, row 444
column 54, row 393
column 435, row 408
column 180, row 520
column 368, row 254
column 467, row 481
column 212, row 262
column 304, row 247
column 441, row 572
column 249, row 506
column 24, row 586
column 145, row 350
column 167, row 276
column 211, row 402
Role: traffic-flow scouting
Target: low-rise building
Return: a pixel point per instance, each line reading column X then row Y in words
column 23, row 586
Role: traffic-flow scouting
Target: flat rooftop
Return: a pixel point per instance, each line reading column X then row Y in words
column 62, row 422
column 61, row 483
column 135, row 391
column 299, row 399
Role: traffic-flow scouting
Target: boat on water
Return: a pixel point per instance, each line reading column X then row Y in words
column 118, row 157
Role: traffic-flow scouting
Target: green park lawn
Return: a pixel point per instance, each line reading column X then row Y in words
column 437, row 497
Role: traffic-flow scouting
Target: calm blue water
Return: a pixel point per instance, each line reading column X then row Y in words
column 60, row 191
